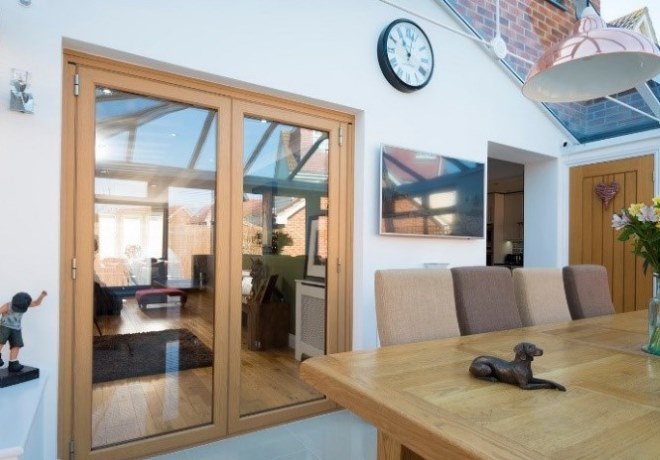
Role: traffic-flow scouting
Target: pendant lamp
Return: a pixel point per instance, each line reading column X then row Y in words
column 594, row 61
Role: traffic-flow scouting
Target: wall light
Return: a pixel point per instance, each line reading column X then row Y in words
column 20, row 93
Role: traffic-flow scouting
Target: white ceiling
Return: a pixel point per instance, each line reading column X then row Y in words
column 500, row 169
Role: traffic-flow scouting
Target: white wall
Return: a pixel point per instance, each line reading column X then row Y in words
column 320, row 51
column 545, row 221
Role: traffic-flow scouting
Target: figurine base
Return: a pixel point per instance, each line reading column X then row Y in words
column 12, row 378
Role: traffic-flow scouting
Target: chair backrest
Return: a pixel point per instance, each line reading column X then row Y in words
column 484, row 299
column 587, row 291
column 540, row 295
column 413, row 305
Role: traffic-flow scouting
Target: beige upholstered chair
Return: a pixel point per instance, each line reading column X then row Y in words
column 587, row 291
column 540, row 295
column 413, row 305
column 484, row 299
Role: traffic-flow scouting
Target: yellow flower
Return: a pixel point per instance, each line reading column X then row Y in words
column 656, row 202
column 635, row 209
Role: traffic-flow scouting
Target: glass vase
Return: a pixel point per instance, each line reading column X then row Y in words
column 654, row 318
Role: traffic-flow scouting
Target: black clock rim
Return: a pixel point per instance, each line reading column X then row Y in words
column 384, row 63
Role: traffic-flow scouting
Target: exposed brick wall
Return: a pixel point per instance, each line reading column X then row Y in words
column 413, row 224
column 529, row 27
column 295, row 228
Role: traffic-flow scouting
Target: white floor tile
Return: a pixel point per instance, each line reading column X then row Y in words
column 303, row 455
column 334, row 436
column 340, row 435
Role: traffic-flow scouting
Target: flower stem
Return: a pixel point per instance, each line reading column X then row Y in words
column 654, row 343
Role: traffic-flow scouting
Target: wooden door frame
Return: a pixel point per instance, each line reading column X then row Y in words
column 336, row 285
column 83, row 250
column 342, row 290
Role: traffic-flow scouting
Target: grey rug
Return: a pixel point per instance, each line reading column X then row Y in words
column 147, row 353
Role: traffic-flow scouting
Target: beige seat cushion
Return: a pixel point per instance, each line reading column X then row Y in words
column 540, row 295
column 413, row 305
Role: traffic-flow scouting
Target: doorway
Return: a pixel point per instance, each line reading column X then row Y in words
column 592, row 238
column 190, row 217
column 505, row 213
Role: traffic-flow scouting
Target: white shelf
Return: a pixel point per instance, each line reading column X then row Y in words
column 22, row 432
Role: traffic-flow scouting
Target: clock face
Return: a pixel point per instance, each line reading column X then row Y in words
column 405, row 55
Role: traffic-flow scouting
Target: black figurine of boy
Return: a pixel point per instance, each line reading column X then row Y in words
column 10, row 326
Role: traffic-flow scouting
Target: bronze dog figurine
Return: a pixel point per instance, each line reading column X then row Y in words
column 516, row 372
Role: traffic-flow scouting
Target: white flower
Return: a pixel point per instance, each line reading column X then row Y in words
column 620, row 221
column 648, row 214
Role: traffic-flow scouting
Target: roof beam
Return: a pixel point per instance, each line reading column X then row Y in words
column 649, row 98
column 634, row 109
column 260, row 145
column 118, row 124
column 307, row 156
column 203, row 135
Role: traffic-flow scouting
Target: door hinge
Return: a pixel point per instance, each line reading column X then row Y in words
column 76, row 84
column 341, row 136
column 338, row 265
column 72, row 449
column 74, row 268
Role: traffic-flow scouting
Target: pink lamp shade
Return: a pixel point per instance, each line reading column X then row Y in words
column 594, row 61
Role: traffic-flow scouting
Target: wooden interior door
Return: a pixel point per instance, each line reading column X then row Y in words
column 592, row 238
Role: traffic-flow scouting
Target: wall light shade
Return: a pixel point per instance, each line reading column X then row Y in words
column 594, row 61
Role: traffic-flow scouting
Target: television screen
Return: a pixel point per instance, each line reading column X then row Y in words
column 430, row 194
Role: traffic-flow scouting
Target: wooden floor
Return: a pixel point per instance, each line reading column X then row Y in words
column 140, row 407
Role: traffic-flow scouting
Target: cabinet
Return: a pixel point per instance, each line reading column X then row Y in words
column 310, row 319
column 267, row 325
column 513, row 216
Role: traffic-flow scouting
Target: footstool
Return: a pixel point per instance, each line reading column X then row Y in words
column 145, row 297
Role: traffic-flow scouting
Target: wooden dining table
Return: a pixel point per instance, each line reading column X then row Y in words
column 425, row 403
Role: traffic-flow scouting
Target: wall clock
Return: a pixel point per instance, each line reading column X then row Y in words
column 405, row 55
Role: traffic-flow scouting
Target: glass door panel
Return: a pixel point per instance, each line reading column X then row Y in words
column 154, row 224
column 158, row 307
column 285, row 194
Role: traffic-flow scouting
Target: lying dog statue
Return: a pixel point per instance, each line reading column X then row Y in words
column 516, row 372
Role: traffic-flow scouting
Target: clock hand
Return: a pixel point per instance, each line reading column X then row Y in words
column 410, row 48
column 405, row 48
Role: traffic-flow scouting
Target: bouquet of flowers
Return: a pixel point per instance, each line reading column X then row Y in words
column 641, row 223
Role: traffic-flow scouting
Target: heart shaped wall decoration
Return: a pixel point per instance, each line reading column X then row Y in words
column 606, row 191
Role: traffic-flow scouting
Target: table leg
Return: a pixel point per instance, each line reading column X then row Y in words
column 391, row 449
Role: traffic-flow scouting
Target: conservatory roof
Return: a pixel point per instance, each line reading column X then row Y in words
column 632, row 111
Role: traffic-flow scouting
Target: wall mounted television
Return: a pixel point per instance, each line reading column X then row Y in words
column 429, row 194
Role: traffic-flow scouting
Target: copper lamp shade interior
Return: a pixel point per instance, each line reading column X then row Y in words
column 594, row 61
